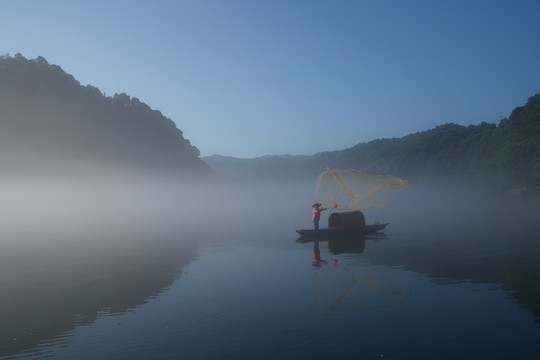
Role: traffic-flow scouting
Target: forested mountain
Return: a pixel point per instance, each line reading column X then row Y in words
column 505, row 155
column 52, row 125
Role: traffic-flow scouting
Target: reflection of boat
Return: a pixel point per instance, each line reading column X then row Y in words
column 342, row 231
column 344, row 289
column 346, row 246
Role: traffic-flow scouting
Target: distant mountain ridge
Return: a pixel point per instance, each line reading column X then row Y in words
column 507, row 154
column 52, row 125
column 271, row 167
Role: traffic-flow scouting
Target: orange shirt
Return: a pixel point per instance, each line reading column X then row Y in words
column 316, row 214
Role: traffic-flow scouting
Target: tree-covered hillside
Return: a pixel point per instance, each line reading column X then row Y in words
column 51, row 124
column 505, row 155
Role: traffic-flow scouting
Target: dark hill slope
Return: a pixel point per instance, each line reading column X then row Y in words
column 51, row 124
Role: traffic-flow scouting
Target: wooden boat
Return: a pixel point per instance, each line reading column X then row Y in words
column 342, row 231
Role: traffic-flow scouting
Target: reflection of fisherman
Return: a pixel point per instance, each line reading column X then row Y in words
column 317, row 214
column 317, row 254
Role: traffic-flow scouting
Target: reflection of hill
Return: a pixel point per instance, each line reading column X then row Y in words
column 501, row 252
column 49, row 289
column 62, row 266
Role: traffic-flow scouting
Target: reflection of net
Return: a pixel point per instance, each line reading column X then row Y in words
column 343, row 290
column 352, row 189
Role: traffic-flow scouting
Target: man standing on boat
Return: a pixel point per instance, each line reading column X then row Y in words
column 317, row 214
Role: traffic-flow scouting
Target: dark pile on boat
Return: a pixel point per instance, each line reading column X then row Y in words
column 350, row 223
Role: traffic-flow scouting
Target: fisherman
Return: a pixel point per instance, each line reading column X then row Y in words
column 317, row 214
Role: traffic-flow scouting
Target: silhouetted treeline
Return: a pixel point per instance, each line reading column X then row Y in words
column 51, row 124
column 506, row 155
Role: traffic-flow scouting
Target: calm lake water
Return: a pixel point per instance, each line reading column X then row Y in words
column 146, row 275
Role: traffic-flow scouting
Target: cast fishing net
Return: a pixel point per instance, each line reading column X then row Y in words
column 357, row 190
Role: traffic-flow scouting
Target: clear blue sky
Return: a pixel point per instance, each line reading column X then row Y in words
column 250, row 78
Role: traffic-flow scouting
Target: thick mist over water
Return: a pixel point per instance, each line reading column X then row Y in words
column 48, row 209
